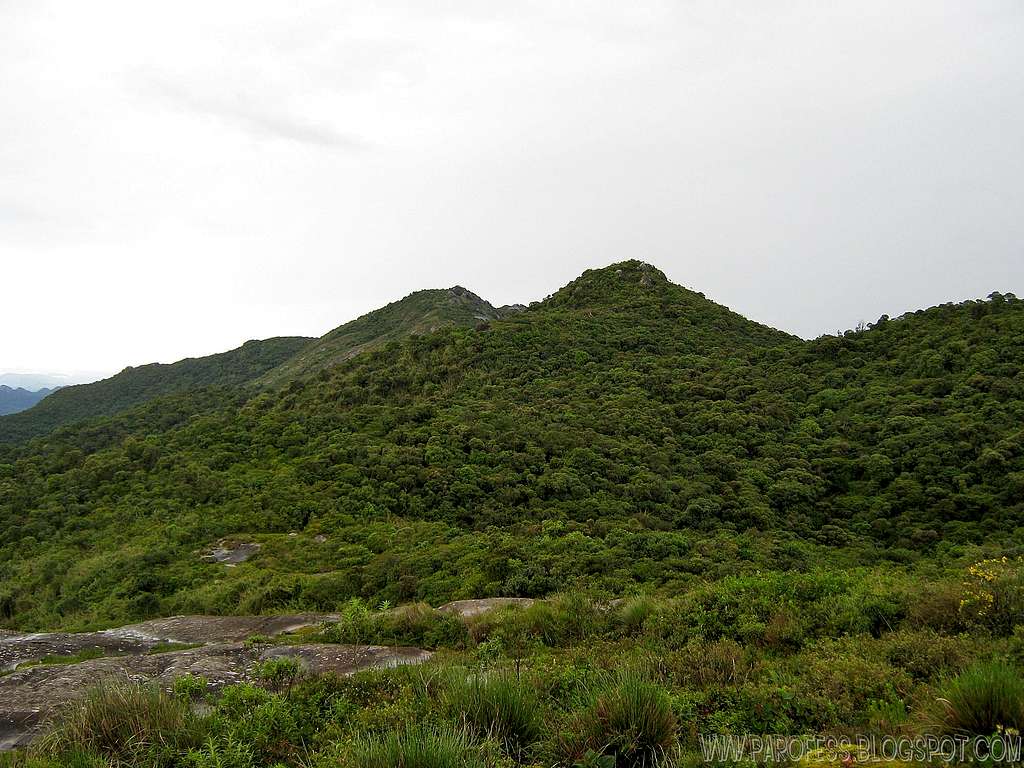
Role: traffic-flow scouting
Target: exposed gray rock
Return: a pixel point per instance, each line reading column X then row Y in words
column 29, row 696
column 231, row 554
column 468, row 608
column 144, row 637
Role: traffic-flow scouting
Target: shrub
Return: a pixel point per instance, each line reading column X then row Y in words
column 278, row 673
column 227, row 753
column 264, row 721
column 925, row 654
column 836, row 684
column 355, row 626
column 415, row 748
column 499, row 706
column 122, row 721
column 981, row 699
column 994, row 594
column 936, row 606
column 561, row 621
column 190, row 687
column 702, row 664
column 419, row 624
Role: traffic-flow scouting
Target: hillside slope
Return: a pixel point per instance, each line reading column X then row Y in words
column 134, row 386
column 420, row 312
column 15, row 399
column 623, row 432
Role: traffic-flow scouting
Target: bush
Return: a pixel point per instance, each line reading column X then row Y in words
column 925, row 654
column 994, row 594
column 703, row 664
column 415, row 748
column 227, row 753
column 264, row 721
column 278, row 673
column 190, row 687
column 981, row 699
column 354, row 626
column 420, row 625
column 496, row 706
column 123, row 721
column 561, row 621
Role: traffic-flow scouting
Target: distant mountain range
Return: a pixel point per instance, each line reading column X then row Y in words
column 15, row 399
column 134, row 386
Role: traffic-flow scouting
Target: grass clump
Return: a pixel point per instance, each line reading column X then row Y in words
column 632, row 614
column 499, row 706
column 415, row 748
column 122, row 721
column 983, row 699
column 631, row 722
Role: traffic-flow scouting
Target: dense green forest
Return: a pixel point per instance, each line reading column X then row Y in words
column 418, row 313
column 134, row 386
column 623, row 434
column 733, row 531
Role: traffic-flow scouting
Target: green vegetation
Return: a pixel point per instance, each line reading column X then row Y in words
column 123, row 723
column 418, row 313
column 612, row 693
column 134, row 386
column 625, row 434
column 983, row 699
column 735, row 530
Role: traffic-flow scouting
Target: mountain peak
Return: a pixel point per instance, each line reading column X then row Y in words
column 418, row 313
column 617, row 283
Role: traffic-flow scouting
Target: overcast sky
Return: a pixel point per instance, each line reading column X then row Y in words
column 176, row 178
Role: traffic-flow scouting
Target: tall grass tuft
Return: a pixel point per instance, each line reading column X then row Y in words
column 982, row 698
column 632, row 614
column 416, row 747
column 122, row 721
column 498, row 706
column 630, row 722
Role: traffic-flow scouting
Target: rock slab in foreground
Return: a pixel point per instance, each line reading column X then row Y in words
column 29, row 696
column 20, row 649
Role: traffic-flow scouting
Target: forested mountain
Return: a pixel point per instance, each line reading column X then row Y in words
column 14, row 399
column 420, row 312
column 271, row 363
column 133, row 386
column 623, row 432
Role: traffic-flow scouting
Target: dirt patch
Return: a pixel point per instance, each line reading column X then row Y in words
column 468, row 608
column 28, row 696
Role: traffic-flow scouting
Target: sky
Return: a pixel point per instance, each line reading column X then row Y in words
column 177, row 178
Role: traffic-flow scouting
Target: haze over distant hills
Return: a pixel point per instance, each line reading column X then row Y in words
column 13, row 400
column 33, row 381
column 137, row 385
